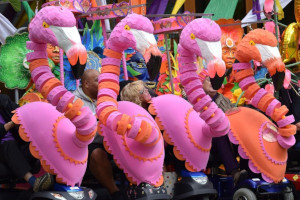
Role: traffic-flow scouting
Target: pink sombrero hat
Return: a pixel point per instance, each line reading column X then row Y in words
column 184, row 129
column 51, row 136
column 141, row 163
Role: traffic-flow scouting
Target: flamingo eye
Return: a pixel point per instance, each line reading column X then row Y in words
column 45, row 25
column 252, row 43
column 193, row 36
column 127, row 28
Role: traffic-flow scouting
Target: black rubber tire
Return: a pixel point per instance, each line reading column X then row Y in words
column 288, row 194
column 244, row 194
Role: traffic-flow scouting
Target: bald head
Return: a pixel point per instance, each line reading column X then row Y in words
column 89, row 82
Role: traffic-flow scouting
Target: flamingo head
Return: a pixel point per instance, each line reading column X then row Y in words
column 202, row 38
column 136, row 31
column 57, row 26
column 261, row 45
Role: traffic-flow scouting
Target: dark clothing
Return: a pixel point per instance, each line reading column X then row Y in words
column 6, row 107
column 97, row 143
column 17, row 158
column 291, row 100
column 14, row 153
column 221, row 147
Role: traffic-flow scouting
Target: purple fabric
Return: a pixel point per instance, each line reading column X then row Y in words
column 9, row 135
column 256, row 9
column 222, row 149
column 157, row 7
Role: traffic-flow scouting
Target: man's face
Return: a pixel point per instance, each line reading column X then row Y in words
column 228, row 55
column 93, row 84
column 144, row 94
column 208, row 88
column 53, row 53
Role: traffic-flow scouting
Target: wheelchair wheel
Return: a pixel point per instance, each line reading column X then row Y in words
column 244, row 194
column 288, row 194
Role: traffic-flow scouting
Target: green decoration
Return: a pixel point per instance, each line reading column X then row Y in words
column 132, row 71
column 12, row 71
column 28, row 10
column 165, row 83
column 54, row 68
column 175, row 48
column 221, row 9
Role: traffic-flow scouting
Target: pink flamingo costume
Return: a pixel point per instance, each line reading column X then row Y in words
column 260, row 140
column 190, row 134
column 58, row 132
column 129, row 131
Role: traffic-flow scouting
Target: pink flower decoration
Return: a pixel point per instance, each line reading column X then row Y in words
column 268, row 6
column 287, row 79
column 269, row 88
column 270, row 26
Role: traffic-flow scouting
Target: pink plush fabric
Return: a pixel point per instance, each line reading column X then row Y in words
column 171, row 108
column 286, row 121
column 127, row 151
column 191, row 134
column 246, row 82
column 111, row 61
column 106, row 91
column 261, row 92
column 67, row 157
column 63, row 102
column 109, row 77
column 274, row 104
column 39, row 128
column 42, row 79
column 141, row 161
column 55, row 94
column 36, row 73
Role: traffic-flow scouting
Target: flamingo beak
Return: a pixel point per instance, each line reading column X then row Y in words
column 69, row 40
column 271, row 58
column 211, row 52
column 147, row 46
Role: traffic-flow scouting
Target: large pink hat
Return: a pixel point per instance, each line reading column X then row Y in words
column 140, row 162
column 184, row 129
column 52, row 139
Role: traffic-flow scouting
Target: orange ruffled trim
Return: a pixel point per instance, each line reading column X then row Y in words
column 59, row 149
column 133, row 154
column 34, row 152
column 190, row 136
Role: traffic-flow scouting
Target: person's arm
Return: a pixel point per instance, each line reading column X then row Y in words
column 223, row 102
column 4, row 128
column 298, row 126
column 9, row 125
